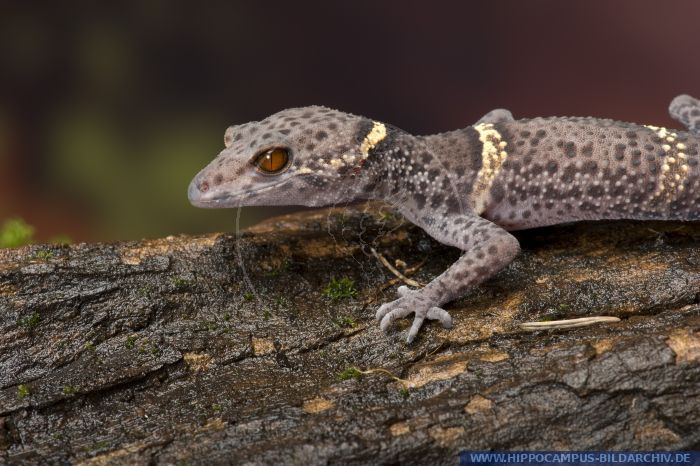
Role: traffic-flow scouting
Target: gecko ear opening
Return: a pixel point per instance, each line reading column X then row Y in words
column 228, row 136
column 272, row 161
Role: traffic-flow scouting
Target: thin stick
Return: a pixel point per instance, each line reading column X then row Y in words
column 393, row 270
column 379, row 370
column 393, row 281
column 567, row 323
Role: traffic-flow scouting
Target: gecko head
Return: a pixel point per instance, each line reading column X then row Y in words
column 311, row 156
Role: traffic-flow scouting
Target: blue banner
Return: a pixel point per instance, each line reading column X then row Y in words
column 579, row 458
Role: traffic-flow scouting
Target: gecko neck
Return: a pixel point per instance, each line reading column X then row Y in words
column 424, row 173
column 386, row 172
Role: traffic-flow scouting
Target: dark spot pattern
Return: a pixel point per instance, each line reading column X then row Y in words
column 570, row 149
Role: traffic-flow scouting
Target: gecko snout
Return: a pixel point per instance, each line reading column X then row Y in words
column 202, row 193
column 196, row 189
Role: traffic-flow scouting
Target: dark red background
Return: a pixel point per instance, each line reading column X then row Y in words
column 130, row 78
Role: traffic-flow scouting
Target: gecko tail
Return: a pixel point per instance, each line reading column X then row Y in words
column 497, row 115
column 686, row 109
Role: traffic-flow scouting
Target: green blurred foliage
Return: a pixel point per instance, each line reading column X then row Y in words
column 15, row 232
column 109, row 115
column 136, row 186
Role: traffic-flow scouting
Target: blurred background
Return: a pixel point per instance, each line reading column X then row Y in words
column 106, row 112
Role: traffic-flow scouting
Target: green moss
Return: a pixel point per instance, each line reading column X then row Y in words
column 23, row 390
column 181, row 283
column 349, row 373
column 281, row 301
column 89, row 346
column 267, row 314
column 216, row 407
column 130, row 341
column 248, row 296
column 345, row 322
column 68, row 390
column 564, row 307
column 15, row 232
column 342, row 288
column 146, row 291
column 404, row 392
column 43, row 254
column 30, row 321
column 227, row 316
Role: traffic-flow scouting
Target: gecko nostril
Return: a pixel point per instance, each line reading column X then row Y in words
column 204, row 186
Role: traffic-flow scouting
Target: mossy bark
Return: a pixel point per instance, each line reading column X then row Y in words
column 225, row 349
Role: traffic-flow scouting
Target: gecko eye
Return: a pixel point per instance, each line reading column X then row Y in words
column 272, row 161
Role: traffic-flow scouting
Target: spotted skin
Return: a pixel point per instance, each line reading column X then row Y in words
column 466, row 188
column 686, row 110
column 497, row 115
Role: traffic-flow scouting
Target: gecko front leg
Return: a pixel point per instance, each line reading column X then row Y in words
column 488, row 248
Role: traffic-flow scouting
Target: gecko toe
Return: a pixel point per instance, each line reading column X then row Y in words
column 383, row 310
column 441, row 315
column 410, row 302
column 415, row 327
column 404, row 291
column 391, row 316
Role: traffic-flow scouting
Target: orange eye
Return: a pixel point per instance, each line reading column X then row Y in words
column 272, row 161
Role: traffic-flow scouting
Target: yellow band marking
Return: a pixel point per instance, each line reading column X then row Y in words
column 492, row 157
column 374, row 137
column 376, row 134
column 674, row 168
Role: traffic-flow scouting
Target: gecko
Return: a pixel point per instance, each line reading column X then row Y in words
column 467, row 188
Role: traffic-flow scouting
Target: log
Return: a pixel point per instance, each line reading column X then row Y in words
column 262, row 347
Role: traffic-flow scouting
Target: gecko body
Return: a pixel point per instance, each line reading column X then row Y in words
column 466, row 188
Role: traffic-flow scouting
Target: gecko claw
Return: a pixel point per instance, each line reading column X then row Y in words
column 383, row 310
column 437, row 313
column 411, row 302
column 413, row 331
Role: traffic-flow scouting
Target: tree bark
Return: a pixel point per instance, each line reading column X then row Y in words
column 225, row 349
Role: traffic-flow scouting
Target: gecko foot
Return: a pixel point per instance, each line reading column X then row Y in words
column 411, row 302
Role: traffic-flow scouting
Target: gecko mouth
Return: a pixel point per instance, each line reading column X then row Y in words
column 221, row 199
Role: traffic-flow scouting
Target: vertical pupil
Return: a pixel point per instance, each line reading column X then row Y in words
column 273, row 161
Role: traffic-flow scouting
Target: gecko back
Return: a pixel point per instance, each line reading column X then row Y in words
column 558, row 170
